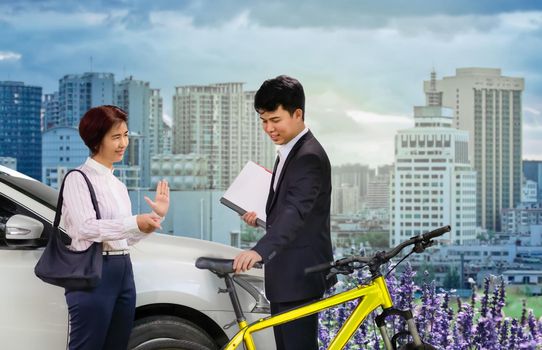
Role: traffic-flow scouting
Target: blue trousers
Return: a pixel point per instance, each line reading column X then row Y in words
column 102, row 318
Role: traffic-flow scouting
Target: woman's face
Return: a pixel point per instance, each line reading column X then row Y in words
column 113, row 144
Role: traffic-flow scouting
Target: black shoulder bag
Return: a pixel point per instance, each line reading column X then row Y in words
column 60, row 266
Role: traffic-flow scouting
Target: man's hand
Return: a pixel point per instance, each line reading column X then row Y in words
column 250, row 218
column 245, row 261
column 147, row 223
column 160, row 205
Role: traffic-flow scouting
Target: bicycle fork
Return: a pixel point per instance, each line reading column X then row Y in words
column 411, row 326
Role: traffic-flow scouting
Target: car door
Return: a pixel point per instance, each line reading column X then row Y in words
column 33, row 314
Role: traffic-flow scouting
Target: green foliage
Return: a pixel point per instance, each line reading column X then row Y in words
column 428, row 275
column 250, row 235
column 452, row 279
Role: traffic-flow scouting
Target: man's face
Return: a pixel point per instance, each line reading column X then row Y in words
column 281, row 126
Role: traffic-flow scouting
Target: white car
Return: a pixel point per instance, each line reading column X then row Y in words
column 175, row 300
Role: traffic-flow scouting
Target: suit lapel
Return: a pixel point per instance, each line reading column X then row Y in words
column 271, row 190
column 271, row 199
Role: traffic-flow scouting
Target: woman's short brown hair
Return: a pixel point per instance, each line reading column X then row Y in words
column 96, row 122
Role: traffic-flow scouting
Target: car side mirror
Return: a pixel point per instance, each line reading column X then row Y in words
column 23, row 231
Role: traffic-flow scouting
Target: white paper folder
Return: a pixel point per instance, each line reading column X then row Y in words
column 249, row 191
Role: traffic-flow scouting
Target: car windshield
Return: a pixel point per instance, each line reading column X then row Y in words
column 32, row 188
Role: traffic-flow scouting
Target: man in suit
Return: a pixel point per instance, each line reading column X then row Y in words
column 298, row 209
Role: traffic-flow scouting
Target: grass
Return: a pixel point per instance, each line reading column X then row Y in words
column 514, row 304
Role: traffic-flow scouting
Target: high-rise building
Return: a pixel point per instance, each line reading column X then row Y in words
column 378, row 192
column 134, row 96
column 62, row 150
column 354, row 175
column 255, row 145
column 20, row 129
column 128, row 171
column 167, row 140
column 529, row 191
column 9, row 162
column 488, row 106
column 184, row 172
column 521, row 219
column 77, row 93
column 216, row 121
column 386, row 169
column 532, row 170
column 433, row 183
column 345, row 200
column 51, row 111
column 157, row 127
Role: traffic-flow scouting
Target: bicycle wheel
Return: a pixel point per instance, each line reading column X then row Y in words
column 411, row 346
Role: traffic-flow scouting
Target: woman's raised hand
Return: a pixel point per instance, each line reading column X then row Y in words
column 160, row 205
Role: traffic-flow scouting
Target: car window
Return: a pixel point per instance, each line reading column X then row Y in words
column 32, row 188
column 8, row 208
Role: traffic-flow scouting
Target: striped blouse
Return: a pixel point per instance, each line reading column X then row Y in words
column 117, row 228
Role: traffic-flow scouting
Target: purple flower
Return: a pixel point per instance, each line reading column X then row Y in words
column 523, row 312
column 503, row 336
column 469, row 329
column 485, row 297
column 512, row 343
column 465, row 325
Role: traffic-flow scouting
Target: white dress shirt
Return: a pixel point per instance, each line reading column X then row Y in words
column 283, row 152
column 117, row 228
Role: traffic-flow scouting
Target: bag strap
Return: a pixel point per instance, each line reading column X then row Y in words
column 61, row 197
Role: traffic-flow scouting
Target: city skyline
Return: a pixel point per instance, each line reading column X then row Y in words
column 361, row 80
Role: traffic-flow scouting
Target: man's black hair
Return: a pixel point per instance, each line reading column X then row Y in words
column 282, row 91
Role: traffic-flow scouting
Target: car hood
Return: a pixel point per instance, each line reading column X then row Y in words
column 183, row 249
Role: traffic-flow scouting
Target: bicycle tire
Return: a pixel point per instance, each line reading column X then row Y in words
column 412, row 346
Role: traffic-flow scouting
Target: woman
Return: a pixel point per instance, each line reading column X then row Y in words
column 102, row 318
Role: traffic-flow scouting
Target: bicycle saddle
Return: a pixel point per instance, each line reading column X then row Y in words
column 216, row 265
column 219, row 265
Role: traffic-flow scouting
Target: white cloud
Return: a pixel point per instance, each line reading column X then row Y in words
column 361, row 82
column 242, row 21
column 52, row 20
column 531, row 110
column 522, row 21
column 9, row 56
column 364, row 117
column 353, row 135
column 166, row 118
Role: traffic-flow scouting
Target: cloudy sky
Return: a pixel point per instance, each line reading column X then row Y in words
column 362, row 62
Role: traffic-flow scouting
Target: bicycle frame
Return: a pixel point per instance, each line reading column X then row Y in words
column 370, row 296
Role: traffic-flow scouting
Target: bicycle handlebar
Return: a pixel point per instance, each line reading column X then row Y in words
column 424, row 238
column 381, row 257
column 320, row 267
column 436, row 233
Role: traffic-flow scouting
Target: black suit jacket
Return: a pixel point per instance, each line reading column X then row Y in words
column 297, row 226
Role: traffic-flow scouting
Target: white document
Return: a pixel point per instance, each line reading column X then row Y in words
column 249, row 191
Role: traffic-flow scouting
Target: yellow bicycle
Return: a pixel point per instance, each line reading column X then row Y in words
column 370, row 296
